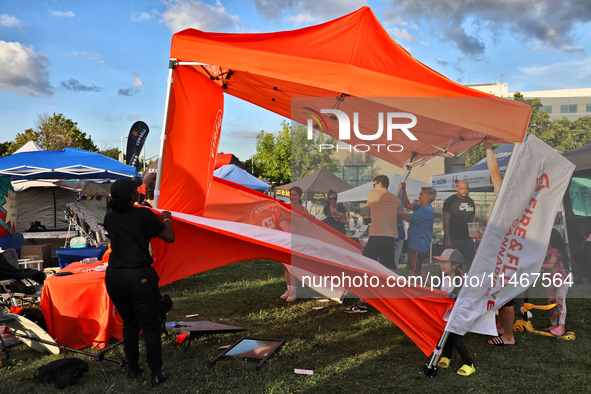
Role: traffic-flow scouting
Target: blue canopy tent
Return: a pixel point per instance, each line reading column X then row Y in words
column 232, row 173
column 68, row 163
column 477, row 176
column 46, row 204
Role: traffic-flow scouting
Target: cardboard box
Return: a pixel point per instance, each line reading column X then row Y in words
column 37, row 252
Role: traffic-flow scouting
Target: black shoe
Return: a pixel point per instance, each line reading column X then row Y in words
column 133, row 373
column 357, row 308
column 158, row 378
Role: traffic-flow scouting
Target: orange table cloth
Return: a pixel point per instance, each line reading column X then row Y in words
column 77, row 309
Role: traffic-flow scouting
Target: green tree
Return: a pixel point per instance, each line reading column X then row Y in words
column 252, row 167
column 4, row 147
column 290, row 155
column 21, row 139
column 561, row 134
column 306, row 155
column 273, row 157
column 54, row 133
column 113, row 153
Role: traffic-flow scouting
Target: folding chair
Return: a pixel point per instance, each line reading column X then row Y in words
column 18, row 285
column 4, row 320
column 38, row 339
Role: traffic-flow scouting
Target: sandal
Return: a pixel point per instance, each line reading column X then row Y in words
column 549, row 328
column 558, row 331
column 466, row 370
column 285, row 295
column 498, row 341
column 443, row 362
column 292, row 297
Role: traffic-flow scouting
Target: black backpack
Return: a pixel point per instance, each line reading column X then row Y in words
column 62, row 373
column 35, row 315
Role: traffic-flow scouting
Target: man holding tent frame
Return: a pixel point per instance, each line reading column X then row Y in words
column 420, row 230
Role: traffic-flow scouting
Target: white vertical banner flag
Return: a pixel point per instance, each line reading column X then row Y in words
column 517, row 235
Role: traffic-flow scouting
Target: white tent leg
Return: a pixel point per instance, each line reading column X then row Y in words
column 565, row 235
column 171, row 65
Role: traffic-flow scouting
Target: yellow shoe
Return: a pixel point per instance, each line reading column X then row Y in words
column 467, row 370
column 443, row 362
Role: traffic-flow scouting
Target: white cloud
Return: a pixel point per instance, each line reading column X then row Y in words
column 569, row 49
column 549, row 22
column 568, row 74
column 401, row 34
column 10, row 21
column 93, row 57
column 243, row 134
column 184, row 14
column 318, row 10
column 140, row 16
column 24, row 71
column 301, row 18
column 67, row 14
column 138, row 82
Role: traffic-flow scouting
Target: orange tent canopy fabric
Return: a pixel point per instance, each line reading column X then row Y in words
column 193, row 134
column 350, row 56
column 416, row 310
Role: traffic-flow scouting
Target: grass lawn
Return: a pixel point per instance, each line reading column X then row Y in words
column 362, row 353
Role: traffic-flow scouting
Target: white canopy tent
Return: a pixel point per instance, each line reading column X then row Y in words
column 413, row 188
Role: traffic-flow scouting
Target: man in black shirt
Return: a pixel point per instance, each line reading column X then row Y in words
column 458, row 211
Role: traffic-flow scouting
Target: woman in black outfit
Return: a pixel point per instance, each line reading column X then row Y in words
column 131, row 281
column 336, row 214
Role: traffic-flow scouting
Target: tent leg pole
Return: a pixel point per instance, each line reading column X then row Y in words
column 430, row 368
column 54, row 209
column 565, row 233
column 171, row 66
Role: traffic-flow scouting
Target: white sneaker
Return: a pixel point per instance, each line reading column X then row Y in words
column 285, row 295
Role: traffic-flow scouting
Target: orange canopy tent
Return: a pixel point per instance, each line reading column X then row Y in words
column 350, row 56
column 351, row 61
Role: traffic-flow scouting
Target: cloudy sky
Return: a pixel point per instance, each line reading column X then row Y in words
column 104, row 64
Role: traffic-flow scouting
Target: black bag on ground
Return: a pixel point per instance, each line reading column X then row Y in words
column 35, row 315
column 164, row 306
column 62, row 373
